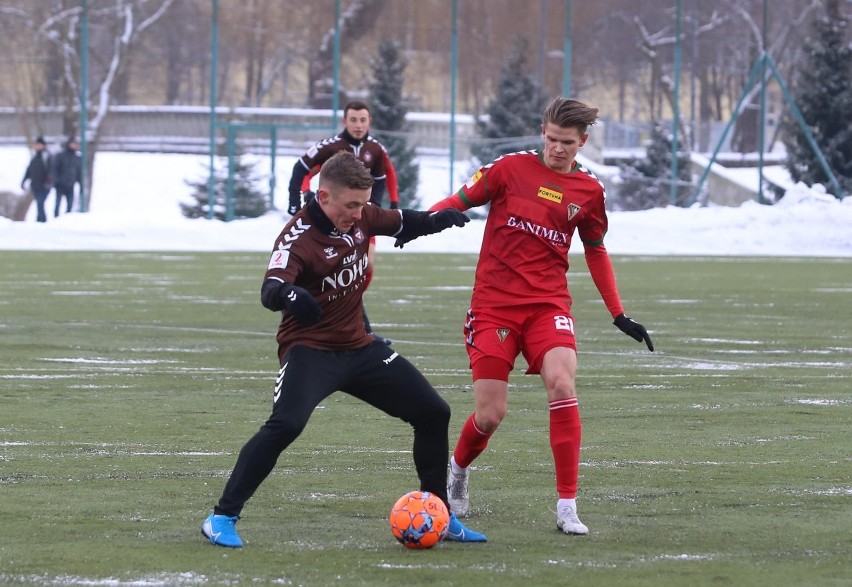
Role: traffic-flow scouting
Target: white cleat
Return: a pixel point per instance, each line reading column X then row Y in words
column 457, row 491
column 568, row 522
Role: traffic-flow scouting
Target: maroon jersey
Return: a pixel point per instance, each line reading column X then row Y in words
column 370, row 151
column 311, row 253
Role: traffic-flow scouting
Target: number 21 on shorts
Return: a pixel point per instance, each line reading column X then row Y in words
column 564, row 323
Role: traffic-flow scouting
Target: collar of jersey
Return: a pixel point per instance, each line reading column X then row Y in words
column 320, row 220
column 350, row 139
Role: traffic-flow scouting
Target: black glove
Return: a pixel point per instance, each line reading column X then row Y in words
column 301, row 304
column 394, row 205
column 293, row 209
column 634, row 330
column 308, row 196
column 449, row 217
column 417, row 224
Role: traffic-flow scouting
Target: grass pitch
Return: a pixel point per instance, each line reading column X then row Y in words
column 129, row 382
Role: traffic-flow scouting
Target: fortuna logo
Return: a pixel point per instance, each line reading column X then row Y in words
column 554, row 236
column 390, row 358
column 329, row 253
column 549, row 194
column 502, row 333
column 573, row 210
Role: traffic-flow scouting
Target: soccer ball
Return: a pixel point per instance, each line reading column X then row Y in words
column 419, row 519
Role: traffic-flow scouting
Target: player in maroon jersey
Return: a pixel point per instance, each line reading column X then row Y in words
column 315, row 277
column 520, row 301
column 355, row 138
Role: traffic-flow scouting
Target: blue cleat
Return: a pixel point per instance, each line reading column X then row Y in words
column 457, row 532
column 222, row 530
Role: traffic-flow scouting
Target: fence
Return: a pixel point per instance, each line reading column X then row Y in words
column 186, row 129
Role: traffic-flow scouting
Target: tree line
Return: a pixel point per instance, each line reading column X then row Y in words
column 281, row 53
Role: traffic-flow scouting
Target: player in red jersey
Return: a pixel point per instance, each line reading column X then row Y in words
column 520, row 301
column 315, row 278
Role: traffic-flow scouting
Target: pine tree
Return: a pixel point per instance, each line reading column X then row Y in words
column 823, row 93
column 646, row 183
column 387, row 107
column 249, row 202
column 515, row 113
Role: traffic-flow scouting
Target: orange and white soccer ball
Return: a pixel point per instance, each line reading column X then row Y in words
column 419, row 519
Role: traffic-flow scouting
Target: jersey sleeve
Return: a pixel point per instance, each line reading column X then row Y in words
column 392, row 184
column 319, row 153
column 592, row 228
column 474, row 192
column 600, row 268
column 306, row 182
column 381, row 221
column 285, row 264
column 379, row 169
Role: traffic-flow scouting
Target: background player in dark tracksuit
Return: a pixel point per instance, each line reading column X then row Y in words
column 355, row 138
column 315, row 277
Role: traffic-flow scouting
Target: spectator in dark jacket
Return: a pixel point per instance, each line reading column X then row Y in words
column 38, row 174
column 67, row 171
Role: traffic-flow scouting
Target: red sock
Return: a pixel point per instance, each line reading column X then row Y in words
column 565, row 435
column 472, row 441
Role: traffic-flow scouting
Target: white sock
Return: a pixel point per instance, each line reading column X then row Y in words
column 455, row 468
column 564, row 504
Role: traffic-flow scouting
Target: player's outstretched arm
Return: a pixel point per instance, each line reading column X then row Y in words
column 416, row 224
column 634, row 330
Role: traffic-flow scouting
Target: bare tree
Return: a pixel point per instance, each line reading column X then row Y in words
column 782, row 45
column 114, row 26
column 355, row 22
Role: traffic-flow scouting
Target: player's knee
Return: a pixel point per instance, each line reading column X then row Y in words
column 438, row 411
column 561, row 388
column 488, row 418
column 281, row 431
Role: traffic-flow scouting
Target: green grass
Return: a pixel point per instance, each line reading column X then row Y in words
column 129, row 381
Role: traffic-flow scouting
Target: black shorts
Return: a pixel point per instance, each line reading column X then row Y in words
column 375, row 374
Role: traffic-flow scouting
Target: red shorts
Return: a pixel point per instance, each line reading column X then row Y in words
column 531, row 329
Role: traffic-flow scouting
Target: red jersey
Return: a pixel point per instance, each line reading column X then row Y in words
column 311, row 253
column 534, row 214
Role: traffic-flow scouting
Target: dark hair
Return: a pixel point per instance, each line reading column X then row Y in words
column 344, row 169
column 40, row 141
column 570, row 114
column 355, row 105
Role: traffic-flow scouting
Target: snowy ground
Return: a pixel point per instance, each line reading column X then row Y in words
column 134, row 206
